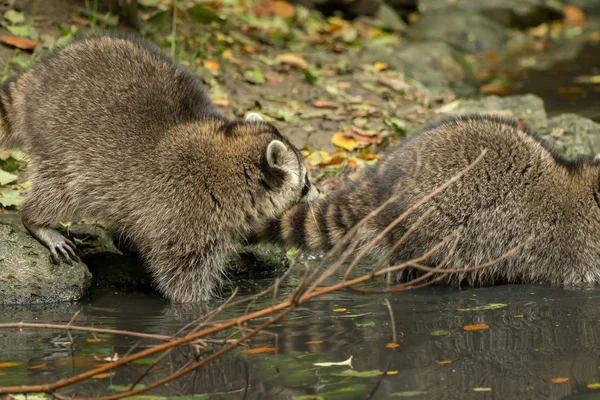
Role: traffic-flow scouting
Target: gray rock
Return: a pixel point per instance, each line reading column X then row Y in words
column 467, row 31
column 434, row 65
column 529, row 107
column 574, row 135
column 506, row 12
column 27, row 276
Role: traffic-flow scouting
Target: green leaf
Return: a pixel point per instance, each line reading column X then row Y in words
column 396, row 124
column 14, row 17
column 490, row 306
column 124, row 388
column 20, row 61
column 24, row 31
column 10, row 198
column 145, row 361
column 6, row 178
column 366, row 325
column 593, row 386
column 255, row 76
column 203, row 15
column 359, row 374
column 408, row 393
column 441, row 332
column 310, row 76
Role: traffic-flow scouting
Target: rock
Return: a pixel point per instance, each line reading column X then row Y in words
column 528, row 107
column 574, row 135
column 258, row 260
column 467, row 31
column 517, row 13
column 27, row 276
column 434, row 65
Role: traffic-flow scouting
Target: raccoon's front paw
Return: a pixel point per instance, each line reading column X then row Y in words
column 63, row 249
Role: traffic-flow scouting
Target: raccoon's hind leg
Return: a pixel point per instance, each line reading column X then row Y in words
column 41, row 211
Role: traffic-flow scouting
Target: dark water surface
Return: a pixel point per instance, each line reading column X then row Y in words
column 536, row 334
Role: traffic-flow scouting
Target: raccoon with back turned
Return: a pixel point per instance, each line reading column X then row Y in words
column 521, row 193
column 118, row 132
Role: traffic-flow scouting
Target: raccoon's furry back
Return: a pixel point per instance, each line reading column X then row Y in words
column 521, row 189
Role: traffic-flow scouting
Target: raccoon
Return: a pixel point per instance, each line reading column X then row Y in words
column 118, row 132
column 522, row 195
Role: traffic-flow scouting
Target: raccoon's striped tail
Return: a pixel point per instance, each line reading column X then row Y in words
column 311, row 227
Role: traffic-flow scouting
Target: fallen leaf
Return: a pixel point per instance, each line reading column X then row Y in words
column 18, row 42
column 440, row 332
column 291, row 59
column 333, row 364
column 356, row 130
column 379, row 66
column 475, row 327
column 560, row 380
column 391, row 373
column 221, row 102
column 102, row 376
column 359, row 374
column 339, row 309
column 366, row 324
column 6, row 178
column 212, row 66
column 115, row 357
column 96, row 340
column 277, row 8
column 38, row 366
column 314, row 342
column 203, row 15
column 394, row 84
column 8, row 364
column 408, row 393
column 443, row 362
column 260, row 350
column 14, row 17
column 346, row 143
column 273, row 78
column 352, row 163
column 518, row 316
column 391, row 345
column 325, row 104
column 593, row 386
column 573, row 16
column 492, row 57
column 494, row 88
column 482, row 389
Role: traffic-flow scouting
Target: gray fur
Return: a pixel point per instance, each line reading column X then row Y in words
column 520, row 189
column 117, row 131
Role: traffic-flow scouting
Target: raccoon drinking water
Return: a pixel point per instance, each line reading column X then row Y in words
column 117, row 131
column 520, row 193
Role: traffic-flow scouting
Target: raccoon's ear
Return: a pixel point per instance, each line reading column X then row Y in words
column 253, row 117
column 276, row 153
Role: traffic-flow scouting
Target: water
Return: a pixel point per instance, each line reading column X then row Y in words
column 536, row 334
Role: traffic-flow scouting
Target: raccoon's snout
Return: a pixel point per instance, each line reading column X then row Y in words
column 311, row 196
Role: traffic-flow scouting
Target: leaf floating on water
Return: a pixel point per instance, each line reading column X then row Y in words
column 96, row 340
column 391, row 372
column 260, row 350
column 38, row 366
column 114, row 358
column 490, row 306
column 145, row 361
column 334, row 364
column 314, row 342
column 475, row 327
column 366, row 325
column 482, row 389
column 102, row 376
column 443, row 362
column 8, row 364
column 560, row 380
column 391, row 345
column 341, row 309
column 593, row 386
column 125, row 388
column 440, row 332
column 359, row 374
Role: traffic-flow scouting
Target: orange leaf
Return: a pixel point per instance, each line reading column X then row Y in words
column 282, row 9
column 8, row 364
column 476, row 327
column 362, row 132
column 391, row 345
column 96, row 340
column 324, row 104
column 574, row 16
column 260, row 350
column 272, row 77
column 494, row 88
column 18, row 42
column 394, row 84
column 292, row 59
column 314, row 342
column 560, row 380
column 369, row 157
column 492, row 57
column 443, row 362
column 212, row 66
column 345, row 143
column 221, row 102
column 352, row 163
column 37, row 366
column 333, row 161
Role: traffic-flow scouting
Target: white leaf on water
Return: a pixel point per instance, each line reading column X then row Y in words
column 332, row 364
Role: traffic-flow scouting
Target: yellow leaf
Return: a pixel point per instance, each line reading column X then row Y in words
column 232, row 341
column 292, row 59
column 379, row 66
column 8, row 364
column 560, row 380
column 260, row 350
column 392, row 373
column 475, row 327
column 343, row 142
column 38, row 366
column 339, row 309
column 392, row 345
column 443, row 362
column 102, row 376
column 314, row 342
column 212, row 66
column 96, row 340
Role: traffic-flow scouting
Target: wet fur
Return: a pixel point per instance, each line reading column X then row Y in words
column 117, row 131
column 520, row 188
